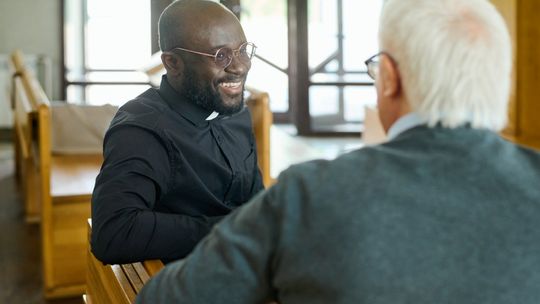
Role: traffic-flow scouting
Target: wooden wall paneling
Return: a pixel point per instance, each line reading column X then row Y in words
column 528, row 72
column 524, row 110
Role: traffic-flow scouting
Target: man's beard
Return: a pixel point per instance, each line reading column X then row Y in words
column 204, row 96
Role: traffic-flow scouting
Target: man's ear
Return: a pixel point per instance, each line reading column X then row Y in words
column 173, row 64
column 391, row 82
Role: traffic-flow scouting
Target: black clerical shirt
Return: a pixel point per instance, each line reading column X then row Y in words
column 168, row 175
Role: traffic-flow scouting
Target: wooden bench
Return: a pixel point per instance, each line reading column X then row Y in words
column 56, row 188
column 261, row 116
column 116, row 284
column 25, row 115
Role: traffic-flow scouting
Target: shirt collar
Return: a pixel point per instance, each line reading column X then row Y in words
column 188, row 109
column 212, row 115
column 406, row 122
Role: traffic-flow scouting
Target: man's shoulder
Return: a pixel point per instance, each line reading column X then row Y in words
column 356, row 165
column 143, row 111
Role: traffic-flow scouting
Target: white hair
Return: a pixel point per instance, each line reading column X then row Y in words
column 454, row 58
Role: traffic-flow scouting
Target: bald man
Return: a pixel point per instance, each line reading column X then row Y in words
column 179, row 158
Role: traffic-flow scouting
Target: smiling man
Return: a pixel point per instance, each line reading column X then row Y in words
column 179, row 158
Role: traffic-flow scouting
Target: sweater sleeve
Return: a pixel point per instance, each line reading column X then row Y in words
column 232, row 264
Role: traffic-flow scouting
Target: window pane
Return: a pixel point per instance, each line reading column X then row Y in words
column 118, row 34
column 276, row 83
column 323, row 30
column 356, row 98
column 113, row 94
column 75, row 94
column 265, row 24
column 359, row 33
column 100, row 76
column 104, row 94
column 73, row 35
column 342, row 35
column 360, row 27
column 323, row 100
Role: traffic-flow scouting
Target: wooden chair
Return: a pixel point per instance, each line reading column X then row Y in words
column 116, row 284
column 261, row 116
column 56, row 188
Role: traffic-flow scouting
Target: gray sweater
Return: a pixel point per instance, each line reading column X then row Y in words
column 434, row 216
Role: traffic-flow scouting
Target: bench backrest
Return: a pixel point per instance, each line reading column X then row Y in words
column 261, row 116
column 116, row 284
column 32, row 126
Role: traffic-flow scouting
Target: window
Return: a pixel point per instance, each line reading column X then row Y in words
column 341, row 35
column 310, row 55
column 265, row 23
column 310, row 58
column 105, row 45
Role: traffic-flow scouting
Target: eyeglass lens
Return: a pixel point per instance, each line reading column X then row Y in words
column 225, row 55
column 373, row 67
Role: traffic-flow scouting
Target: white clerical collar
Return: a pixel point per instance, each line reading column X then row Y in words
column 212, row 116
column 405, row 123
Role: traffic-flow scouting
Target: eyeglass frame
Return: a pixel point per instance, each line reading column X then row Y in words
column 235, row 53
column 371, row 61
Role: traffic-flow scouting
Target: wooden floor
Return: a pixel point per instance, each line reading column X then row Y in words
column 20, row 250
column 286, row 148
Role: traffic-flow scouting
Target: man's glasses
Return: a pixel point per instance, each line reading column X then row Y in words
column 224, row 56
column 372, row 64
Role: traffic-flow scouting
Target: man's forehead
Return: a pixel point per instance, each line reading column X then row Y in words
column 215, row 32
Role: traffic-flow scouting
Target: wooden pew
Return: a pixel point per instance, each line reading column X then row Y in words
column 26, row 160
column 116, row 284
column 261, row 116
column 57, row 188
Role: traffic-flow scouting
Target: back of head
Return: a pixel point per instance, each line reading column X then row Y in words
column 454, row 58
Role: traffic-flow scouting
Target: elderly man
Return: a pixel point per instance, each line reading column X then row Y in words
column 179, row 158
column 445, row 212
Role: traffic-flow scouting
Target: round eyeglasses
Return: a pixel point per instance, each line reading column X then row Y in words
column 224, row 56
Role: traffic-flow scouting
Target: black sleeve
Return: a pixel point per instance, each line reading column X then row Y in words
column 236, row 256
column 125, row 229
column 257, row 180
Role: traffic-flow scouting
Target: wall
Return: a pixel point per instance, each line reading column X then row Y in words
column 522, row 18
column 34, row 27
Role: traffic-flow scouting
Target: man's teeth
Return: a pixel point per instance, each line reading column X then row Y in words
column 230, row 84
